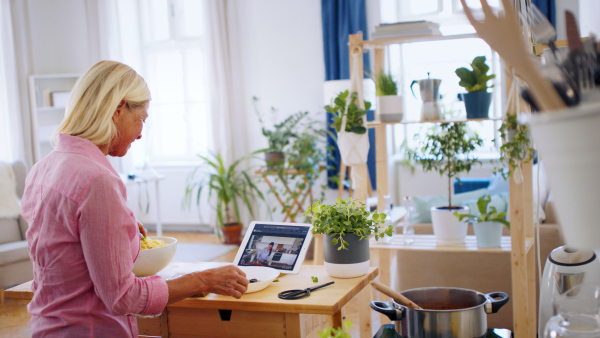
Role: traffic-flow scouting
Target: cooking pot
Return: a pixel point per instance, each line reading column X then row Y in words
column 446, row 312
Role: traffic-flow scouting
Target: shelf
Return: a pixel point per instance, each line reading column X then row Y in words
column 381, row 43
column 372, row 124
column 428, row 243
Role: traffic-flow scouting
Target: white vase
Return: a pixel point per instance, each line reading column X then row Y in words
column 446, row 226
column 389, row 108
column 488, row 234
column 354, row 148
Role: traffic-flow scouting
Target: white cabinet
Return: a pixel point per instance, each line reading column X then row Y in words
column 47, row 98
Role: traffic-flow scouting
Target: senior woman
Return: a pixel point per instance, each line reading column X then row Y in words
column 82, row 237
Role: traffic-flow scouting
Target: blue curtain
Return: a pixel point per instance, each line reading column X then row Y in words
column 339, row 19
column 548, row 8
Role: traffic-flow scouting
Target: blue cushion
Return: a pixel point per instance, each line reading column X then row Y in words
column 422, row 204
column 470, row 184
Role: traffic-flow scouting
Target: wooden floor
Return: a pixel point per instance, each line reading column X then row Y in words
column 14, row 318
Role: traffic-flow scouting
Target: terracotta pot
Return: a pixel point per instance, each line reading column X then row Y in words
column 232, row 233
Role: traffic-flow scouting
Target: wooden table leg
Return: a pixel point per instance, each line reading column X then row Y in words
column 384, row 278
column 364, row 312
column 337, row 319
column 293, row 327
column 318, row 249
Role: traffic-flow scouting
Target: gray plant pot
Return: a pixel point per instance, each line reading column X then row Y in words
column 349, row 263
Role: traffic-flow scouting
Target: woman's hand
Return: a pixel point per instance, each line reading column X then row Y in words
column 227, row 280
column 142, row 230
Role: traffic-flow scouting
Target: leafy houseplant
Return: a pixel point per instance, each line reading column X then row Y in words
column 229, row 188
column 339, row 332
column 354, row 115
column 516, row 145
column 279, row 137
column 346, row 224
column 448, row 152
column 477, row 100
column 389, row 104
column 353, row 140
column 487, row 225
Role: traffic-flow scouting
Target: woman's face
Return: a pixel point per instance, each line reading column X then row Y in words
column 129, row 123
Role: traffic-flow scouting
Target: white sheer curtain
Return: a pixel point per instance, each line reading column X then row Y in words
column 11, row 140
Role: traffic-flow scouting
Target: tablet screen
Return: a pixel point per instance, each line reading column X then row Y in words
column 274, row 245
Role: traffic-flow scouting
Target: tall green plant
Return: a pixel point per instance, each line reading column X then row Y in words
column 516, row 145
column 385, row 84
column 475, row 80
column 229, row 188
column 449, row 152
column 354, row 115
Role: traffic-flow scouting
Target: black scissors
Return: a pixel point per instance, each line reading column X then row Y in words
column 299, row 294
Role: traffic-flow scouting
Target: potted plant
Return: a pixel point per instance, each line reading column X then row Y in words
column 487, row 225
column 389, row 104
column 350, row 123
column 477, row 99
column 346, row 226
column 279, row 137
column 516, row 147
column 229, row 188
column 449, row 152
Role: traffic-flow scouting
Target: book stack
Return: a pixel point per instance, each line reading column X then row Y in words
column 406, row 28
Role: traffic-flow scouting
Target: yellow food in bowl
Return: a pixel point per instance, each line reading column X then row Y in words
column 148, row 243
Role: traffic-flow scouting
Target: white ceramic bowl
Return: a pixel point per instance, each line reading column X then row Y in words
column 263, row 274
column 151, row 261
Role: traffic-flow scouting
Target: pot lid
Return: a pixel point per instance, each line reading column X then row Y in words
column 571, row 256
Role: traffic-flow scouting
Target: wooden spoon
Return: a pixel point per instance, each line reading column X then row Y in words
column 395, row 295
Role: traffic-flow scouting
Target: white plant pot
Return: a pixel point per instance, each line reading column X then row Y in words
column 488, row 234
column 354, row 148
column 389, row 108
column 447, row 228
column 569, row 144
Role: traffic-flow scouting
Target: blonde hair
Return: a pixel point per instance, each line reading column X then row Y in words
column 95, row 98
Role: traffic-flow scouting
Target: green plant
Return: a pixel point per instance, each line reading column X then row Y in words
column 484, row 215
column 346, row 216
column 447, row 151
column 475, row 80
column 385, row 84
column 516, row 145
column 336, row 332
column 282, row 133
column 354, row 115
column 228, row 188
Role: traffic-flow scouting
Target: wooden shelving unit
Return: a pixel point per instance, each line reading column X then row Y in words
column 46, row 116
column 522, row 239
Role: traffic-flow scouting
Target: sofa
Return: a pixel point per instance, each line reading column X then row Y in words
column 15, row 264
column 484, row 272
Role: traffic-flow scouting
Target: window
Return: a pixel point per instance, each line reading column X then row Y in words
column 173, row 60
column 413, row 61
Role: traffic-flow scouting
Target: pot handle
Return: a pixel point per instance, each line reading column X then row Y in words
column 496, row 304
column 387, row 309
column 411, row 88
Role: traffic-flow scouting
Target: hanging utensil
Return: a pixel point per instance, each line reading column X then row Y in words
column 395, row 295
column 503, row 33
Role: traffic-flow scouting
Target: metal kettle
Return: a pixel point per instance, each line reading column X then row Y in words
column 566, row 267
column 430, row 95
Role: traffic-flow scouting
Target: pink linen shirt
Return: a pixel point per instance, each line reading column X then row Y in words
column 83, row 240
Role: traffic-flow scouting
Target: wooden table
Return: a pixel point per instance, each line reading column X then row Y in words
column 256, row 314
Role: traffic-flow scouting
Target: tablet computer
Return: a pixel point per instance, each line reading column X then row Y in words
column 281, row 246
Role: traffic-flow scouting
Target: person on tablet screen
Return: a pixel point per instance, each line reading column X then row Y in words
column 263, row 256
